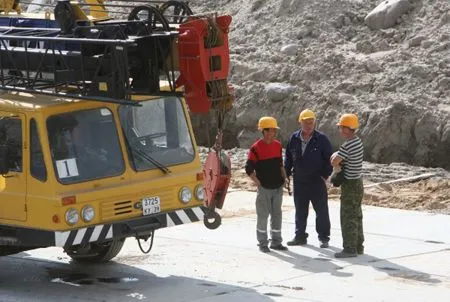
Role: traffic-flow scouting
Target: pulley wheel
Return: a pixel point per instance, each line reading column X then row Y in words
column 176, row 11
column 150, row 16
column 211, row 175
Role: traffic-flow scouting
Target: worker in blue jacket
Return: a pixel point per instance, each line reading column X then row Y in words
column 307, row 158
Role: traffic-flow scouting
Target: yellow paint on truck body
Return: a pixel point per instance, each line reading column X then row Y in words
column 32, row 203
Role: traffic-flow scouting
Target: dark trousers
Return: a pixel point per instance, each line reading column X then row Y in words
column 316, row 192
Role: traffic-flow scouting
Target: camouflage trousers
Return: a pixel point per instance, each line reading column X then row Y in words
column 352, row 191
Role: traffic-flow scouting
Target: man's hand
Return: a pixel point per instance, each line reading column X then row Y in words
column 335, row 160
column 257, row 183
column 255, row 180
column 287, row 182
column 327, row 182
column 287, row 185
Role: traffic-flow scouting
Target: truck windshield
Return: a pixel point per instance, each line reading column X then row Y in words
column 84, row 145
column 159, row 130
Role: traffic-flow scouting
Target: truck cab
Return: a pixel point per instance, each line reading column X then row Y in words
column 106, row 170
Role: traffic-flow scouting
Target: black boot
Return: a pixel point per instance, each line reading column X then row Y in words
column 297, row 241
column 346, row 254
column 324, row 244
column 264, row 249
column 278, row 247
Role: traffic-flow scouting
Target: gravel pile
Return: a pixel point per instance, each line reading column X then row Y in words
column 291, row 54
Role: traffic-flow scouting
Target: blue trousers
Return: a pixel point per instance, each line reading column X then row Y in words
column 316, row 192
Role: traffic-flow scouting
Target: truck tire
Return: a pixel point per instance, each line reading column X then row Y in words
column 97, row 253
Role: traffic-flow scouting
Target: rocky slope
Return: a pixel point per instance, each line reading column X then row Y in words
column 291, row 54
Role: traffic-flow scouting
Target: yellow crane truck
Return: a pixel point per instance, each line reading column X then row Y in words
column 96, row 143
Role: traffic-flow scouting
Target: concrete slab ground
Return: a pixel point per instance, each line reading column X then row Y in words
column 407, row 256
column 407, row 259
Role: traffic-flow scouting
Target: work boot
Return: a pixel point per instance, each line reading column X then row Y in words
column 324, row 244
column 297, row 241
column 264, row 249
column 278, row 247
column 345, row 254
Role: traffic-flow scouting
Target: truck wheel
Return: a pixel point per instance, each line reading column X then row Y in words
column 97, row 252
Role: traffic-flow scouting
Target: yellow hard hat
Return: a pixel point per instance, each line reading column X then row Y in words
column 267, row 122
column 349, row 120
column 306, row 114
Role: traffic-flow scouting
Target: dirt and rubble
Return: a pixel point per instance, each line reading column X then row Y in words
column 430, row 194
column 291, row 54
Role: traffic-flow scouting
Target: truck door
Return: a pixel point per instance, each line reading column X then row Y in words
column 13, row 183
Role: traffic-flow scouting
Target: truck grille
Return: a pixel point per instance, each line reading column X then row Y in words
column 114, row 209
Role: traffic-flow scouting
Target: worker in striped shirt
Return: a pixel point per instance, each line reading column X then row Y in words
column 350, row 156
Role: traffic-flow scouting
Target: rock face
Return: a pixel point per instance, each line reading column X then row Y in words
column 38, row 6
column 276, row 92
column 385, row 15
column 290, row 55
column 289, row 50
column 408, row 134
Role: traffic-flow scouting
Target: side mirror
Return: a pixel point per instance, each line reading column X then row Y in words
column 4, row 159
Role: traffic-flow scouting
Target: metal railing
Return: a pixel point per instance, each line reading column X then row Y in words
column 97, row 62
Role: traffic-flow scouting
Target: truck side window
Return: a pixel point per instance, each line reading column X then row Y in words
column 11, row 135
column 37, row 164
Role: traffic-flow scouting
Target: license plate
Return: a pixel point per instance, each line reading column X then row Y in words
column 151, row 205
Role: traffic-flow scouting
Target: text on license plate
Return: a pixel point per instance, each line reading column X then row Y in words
column 151, row 205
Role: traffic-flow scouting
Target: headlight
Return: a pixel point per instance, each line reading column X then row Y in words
column 72, row 216
column 185, row 195
column 87, row 213
column 200, row 192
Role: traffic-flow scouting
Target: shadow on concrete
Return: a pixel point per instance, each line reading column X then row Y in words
column 392, row 269
column 24, row 278
column 313, row 265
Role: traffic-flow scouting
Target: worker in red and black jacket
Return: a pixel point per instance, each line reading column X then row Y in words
column 265, row 167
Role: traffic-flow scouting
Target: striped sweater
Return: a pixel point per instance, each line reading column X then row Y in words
column 351, row 152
